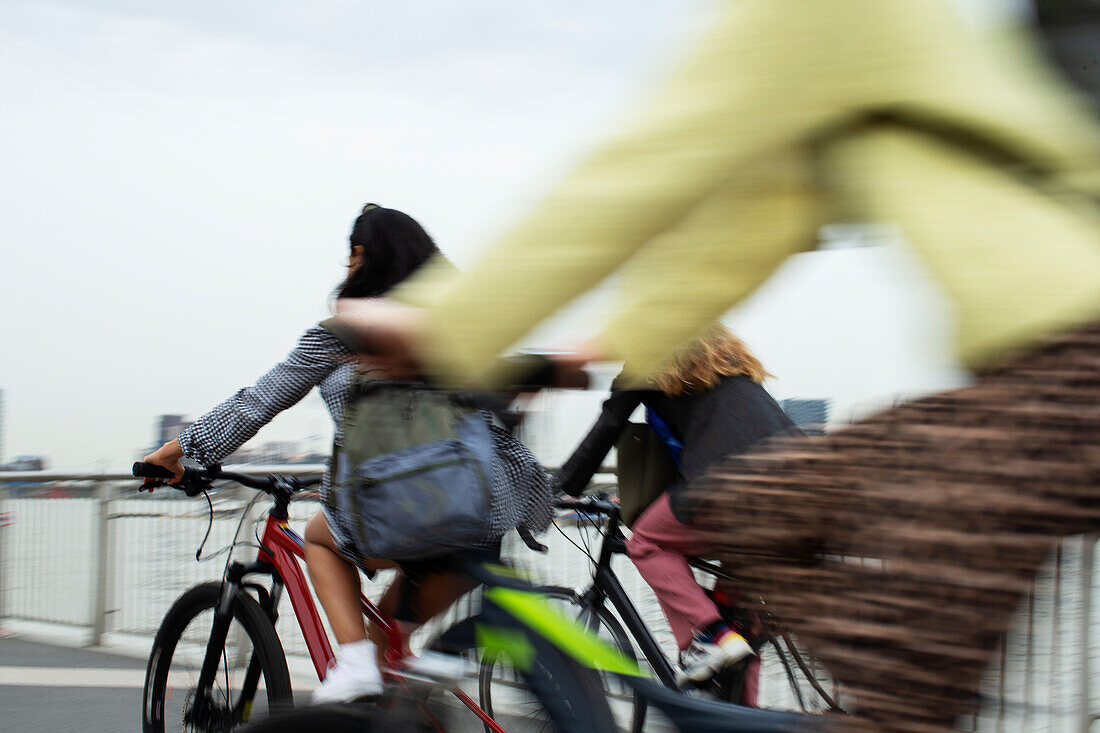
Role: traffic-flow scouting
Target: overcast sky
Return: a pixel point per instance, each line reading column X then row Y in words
column 179, row 181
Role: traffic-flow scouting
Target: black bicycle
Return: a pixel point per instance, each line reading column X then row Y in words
column 625, row 629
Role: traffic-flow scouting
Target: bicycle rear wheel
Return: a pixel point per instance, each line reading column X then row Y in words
column 252, row 666
column 505, row 688
column 780, row 676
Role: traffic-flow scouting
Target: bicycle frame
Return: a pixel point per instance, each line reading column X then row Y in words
column 606, row 586
column 280, row 549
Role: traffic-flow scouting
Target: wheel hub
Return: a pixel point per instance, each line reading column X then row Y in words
column 203, row 715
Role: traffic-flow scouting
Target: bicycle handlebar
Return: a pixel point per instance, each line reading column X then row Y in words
column 150, row 470
column 195, row 479
column 600, row 503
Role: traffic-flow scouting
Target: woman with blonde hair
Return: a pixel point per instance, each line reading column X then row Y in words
column 707, row 403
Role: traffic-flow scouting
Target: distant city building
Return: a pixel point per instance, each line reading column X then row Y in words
column 810, row 415
column 25, row 463
column 169, row 428
column 278, row 452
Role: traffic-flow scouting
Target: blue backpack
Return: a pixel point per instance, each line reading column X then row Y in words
column 664, row 432
column 414, row 473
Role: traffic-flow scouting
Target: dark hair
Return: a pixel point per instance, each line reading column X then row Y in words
column 394, row 246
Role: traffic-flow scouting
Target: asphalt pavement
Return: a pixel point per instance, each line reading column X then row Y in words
column 48, row 687
column 44, row 687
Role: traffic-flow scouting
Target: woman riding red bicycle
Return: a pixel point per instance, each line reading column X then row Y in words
column 386, row 247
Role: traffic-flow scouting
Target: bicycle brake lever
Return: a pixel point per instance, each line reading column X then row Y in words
column 195, row 482
column 530, row 541
column 192, row 488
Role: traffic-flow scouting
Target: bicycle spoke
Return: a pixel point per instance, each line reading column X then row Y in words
column 225, row 666
column 226, row 692
column 508, row 689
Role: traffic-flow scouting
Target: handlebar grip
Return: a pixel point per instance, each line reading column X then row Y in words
column 150, row 470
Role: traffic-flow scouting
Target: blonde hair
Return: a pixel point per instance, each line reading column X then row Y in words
column 700, row 364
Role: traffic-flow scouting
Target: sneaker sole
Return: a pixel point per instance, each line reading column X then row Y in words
column 704, row 674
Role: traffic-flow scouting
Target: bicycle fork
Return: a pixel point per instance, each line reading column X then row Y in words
column 204, row 706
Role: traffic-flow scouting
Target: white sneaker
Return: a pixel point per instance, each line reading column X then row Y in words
column 356, row 675
column 702, row 659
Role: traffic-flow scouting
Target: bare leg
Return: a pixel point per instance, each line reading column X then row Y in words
column 434, row 595
column 336, row 582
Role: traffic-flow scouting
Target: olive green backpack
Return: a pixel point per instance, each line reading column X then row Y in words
column 414, row 473
column 646, row 469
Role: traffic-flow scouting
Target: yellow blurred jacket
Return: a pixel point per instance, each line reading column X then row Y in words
column 787, row 115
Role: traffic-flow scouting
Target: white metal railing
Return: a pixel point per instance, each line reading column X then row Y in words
column 88, row 551
column 85, row 550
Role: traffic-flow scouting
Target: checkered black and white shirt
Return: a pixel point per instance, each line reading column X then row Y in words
column 522, row 493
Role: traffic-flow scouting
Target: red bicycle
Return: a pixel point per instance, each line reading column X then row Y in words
column 217, row 658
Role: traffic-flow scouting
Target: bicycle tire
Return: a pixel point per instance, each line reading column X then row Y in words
column 609, row 623
column 267, row 651
column 573, row 695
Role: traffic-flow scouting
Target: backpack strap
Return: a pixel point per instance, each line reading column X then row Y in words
column 664, row 432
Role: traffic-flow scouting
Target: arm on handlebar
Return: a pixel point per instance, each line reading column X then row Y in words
column 588, row 456
column 528, row 372
column 192, row 483
column 598, row 503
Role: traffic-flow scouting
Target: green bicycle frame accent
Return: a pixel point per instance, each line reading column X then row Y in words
column 565, row 633
column 505, row 643
column 507, row 571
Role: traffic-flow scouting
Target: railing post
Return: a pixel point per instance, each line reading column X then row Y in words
column 101, row 537
column 5, row 576
column 1085, row 717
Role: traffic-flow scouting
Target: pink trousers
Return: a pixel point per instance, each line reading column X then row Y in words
column 660, row 547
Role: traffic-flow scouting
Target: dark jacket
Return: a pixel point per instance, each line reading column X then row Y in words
column 726, row 420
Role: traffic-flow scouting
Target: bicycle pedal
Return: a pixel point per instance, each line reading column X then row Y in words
column 419, row 681
column 433, row 667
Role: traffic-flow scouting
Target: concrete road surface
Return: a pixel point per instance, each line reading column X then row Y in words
column 71, row 690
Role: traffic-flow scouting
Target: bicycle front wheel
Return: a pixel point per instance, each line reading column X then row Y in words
column 503, row 688
column 252, row 667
